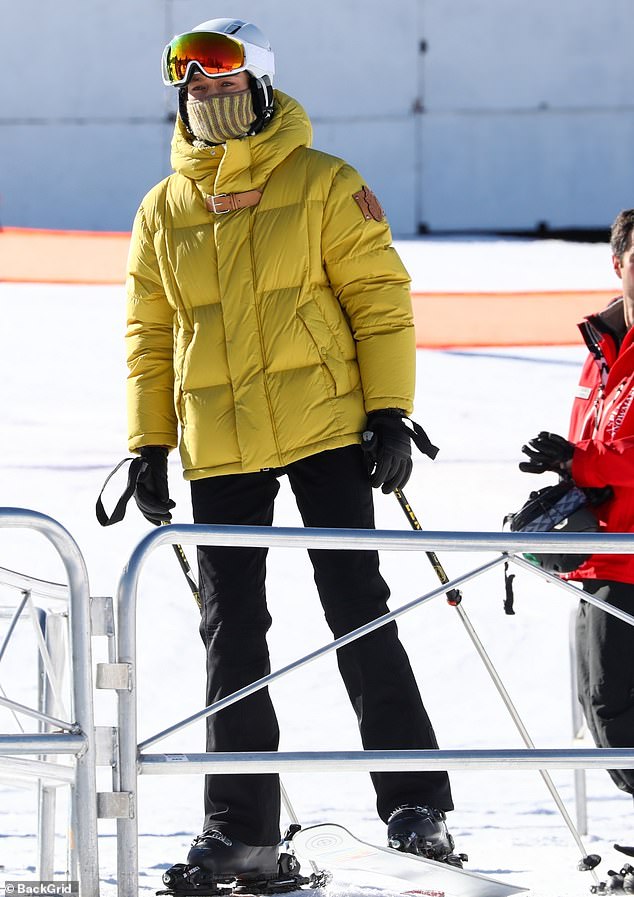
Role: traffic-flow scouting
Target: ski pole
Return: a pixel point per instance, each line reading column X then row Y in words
column 454, row 596
column 588, row 862
column 295, row 823
column 187, row 570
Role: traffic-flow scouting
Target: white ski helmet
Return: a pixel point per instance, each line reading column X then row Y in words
column 239, row 47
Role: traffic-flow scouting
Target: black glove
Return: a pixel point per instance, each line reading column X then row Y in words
column 386, row 442
column 547, row 452
column 151, row 493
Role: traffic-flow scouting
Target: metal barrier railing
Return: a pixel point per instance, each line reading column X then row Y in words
column 74, row 737
column 50, row 628
column 578, row 730
column 132, row 760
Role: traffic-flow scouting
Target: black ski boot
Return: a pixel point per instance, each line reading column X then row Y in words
column 215, row 859
column 215, row 852
column 219, row 866
column 423, row 832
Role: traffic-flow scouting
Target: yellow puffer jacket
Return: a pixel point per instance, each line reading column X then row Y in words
column 267, row 333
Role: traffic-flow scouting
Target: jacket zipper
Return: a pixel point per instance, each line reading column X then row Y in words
column 256, row 307
column 590, row 336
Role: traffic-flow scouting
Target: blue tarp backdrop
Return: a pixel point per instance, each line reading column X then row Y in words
column 472, row 115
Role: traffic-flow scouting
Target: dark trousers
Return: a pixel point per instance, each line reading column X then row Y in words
column 331, row 490
column 605, row 671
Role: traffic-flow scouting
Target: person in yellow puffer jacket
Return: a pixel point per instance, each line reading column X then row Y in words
column 269, row 324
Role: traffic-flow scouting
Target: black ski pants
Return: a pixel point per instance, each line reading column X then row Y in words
column 605, row 671
column 332, row 490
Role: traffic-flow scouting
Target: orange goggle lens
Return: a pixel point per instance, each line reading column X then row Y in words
column 216, row 54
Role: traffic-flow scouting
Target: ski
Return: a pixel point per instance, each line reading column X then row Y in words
column 336, row 848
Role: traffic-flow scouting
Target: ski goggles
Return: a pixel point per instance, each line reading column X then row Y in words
column 214, row 54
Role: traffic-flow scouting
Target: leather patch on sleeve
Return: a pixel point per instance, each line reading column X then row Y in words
column 369, row 204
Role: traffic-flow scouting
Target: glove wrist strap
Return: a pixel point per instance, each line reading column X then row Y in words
column 422, row 441
column 118, row 514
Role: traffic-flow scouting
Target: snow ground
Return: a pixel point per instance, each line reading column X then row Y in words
column 64, row 429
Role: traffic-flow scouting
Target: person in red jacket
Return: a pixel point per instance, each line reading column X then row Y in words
column 599, row 452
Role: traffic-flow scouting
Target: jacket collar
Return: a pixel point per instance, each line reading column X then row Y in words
column 607, row 336
column 247, row 163
column 605, row 329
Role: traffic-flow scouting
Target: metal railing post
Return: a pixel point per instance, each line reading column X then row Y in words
column 578, row 729
column 127, row 827
column 85, row 790
column 46, row 794
column 53, row 631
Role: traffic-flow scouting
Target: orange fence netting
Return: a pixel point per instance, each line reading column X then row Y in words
column 442, row 319
column 49, row 256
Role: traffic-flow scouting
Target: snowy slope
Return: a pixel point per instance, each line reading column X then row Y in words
column 64, row 429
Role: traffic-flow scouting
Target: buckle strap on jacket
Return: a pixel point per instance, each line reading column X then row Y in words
column 222, row 203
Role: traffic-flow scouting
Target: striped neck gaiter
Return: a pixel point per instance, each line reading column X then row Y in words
column 217, row 119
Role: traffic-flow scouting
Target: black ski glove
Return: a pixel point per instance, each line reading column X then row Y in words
column 547, row 452
column 386, row 443
column 151, row 492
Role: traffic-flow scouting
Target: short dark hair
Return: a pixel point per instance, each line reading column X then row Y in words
column 621, row 232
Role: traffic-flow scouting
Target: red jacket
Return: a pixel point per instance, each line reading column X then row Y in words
column 602, row 428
